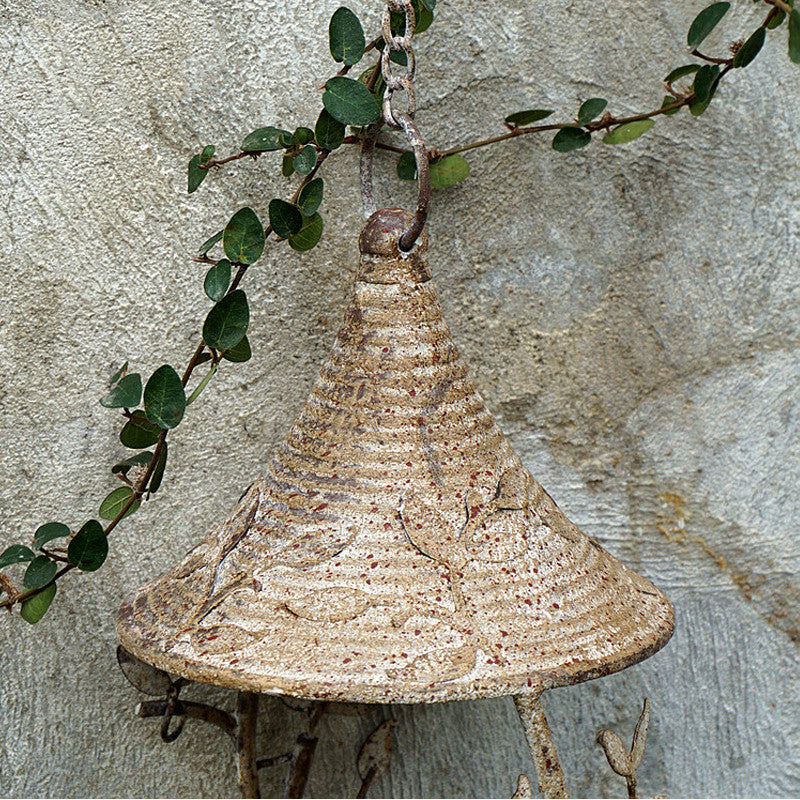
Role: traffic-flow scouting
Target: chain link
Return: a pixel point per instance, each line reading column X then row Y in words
column 398, row 83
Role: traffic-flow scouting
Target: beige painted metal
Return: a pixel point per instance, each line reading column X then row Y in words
column 396, row 549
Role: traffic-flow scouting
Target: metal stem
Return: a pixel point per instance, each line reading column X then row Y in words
column 542, row 747
column 247, row 717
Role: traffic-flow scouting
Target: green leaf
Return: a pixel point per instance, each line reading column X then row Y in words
column 217, row 281
column 571, row 138
column 158, row 470
column 117, row 375
column 305, row 161
column 302, row 136
column 227, row 322
column 448, row 171
column 243, row 238
column 287, row 166
column 704, row 87
column 284, row 218
column 209, row 243
column 49, row 531
column 424, row 17
column 705, row 22
column 310, row 197
column 794, row 36
column 346, row 37
column 139, row 432
column 16, row 554
column 308, row 235
column 39, row 573
column 429, row 4
column 527, row 117
column 329, row 132
column 196, row 175
column 115, row 501
column 202, row 358
column 668, row 101
column 164, row 398
column 681, row 72
column 239, row 352
column 123, row 467
column 89, row 547
column 777, row 20
column 629, row 131
column 407, row 166
column 750, row 49
column 269, row 138
column 35, row 607
column 126, row 394
column 350, row 102
column 590, row 109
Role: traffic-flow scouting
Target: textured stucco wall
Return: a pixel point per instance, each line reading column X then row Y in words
column 631, row 316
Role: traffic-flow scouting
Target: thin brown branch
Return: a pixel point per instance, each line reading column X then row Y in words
column 219, row 162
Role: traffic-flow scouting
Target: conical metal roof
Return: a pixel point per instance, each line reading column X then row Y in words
column 396, row 549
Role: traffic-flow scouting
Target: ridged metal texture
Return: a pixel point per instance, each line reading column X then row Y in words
column 396, row 550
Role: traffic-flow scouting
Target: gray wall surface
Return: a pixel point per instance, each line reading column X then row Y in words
column 630, row 314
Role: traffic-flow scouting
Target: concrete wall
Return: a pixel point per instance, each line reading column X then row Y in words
column 630, row 314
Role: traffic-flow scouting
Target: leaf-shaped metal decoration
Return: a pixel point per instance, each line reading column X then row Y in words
column 376, row 752
column 337, row 604
column 616, row 753
column 428, row 530
column 640, row 735
column 523, row 788
column 141, row 676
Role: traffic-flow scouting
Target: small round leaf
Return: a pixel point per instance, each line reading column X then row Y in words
column 308, row 235
column 126, row 394
column 39, row 573
column 35, row 607
column 243, row 238
column 240, row 352
column 310, row 197
column 269, row 138
column 114, row 502
column 164, row 398
column 158, row 470
column 49, row 531
column 346, row 37
column 592, row 108
column 448, row 171
column 209, row 243
column 218, row 279
column 89, row 547
column 227, row 322
column 284, row 218
column 16, row 554
column 527, row 117
column 305, row 161
column 705, row 22
column 623, row 134
column 139, row 432
column 328, row 132
column 571, row 138
column 750, row 49
column 407, row 166
column 350, row 102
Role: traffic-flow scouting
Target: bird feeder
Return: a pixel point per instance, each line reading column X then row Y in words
column 396, row 549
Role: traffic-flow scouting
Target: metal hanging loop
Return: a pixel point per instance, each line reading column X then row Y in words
column 423, row 178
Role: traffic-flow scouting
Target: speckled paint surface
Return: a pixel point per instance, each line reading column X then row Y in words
column 629, row 315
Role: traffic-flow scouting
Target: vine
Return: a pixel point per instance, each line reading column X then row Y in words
column 151, row 410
